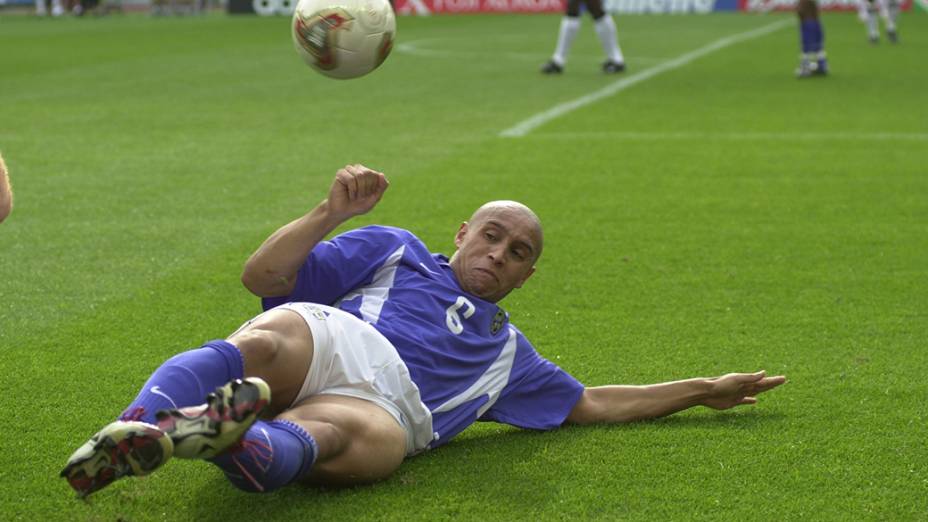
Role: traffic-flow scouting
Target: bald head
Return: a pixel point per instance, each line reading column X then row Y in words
column 508, row 210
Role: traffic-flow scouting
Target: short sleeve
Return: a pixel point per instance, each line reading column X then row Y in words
column 342, row 264
column 540, row 395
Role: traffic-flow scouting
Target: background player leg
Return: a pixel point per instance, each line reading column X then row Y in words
column 570, row 26
column 813, row 61
column 867, row 12
column 608, row 37
column 890, row 12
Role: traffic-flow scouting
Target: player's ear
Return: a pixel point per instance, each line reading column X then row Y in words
column 524, row 279
column 459, row 237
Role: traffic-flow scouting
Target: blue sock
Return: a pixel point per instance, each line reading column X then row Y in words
column 807, row 29
column 818, row 37
column 818, row 45
column 269, row 456
column 186, row 379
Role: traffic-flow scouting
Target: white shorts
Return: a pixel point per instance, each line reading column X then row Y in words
column 352, row 358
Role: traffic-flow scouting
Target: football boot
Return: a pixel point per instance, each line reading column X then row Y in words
column 204, row 431
column 120, row 449
column 611, row 67
column 552, row 68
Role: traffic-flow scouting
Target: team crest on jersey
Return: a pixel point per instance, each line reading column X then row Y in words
column 319, row 33
column 498, row 321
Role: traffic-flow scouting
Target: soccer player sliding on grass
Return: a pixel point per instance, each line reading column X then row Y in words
column 371, row 349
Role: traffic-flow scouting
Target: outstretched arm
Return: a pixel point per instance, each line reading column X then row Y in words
column 271, row 271
column 614, row 404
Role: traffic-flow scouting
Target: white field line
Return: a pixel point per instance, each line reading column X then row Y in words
column 416, row 48
column 524, row 127
column 741, row 136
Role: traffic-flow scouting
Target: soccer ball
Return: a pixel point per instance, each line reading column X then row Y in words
column 343, row 38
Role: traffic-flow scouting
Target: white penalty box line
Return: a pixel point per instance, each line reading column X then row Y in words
column 526, row 126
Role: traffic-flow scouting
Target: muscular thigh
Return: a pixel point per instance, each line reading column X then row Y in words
column 358, row 441
column 276, row 346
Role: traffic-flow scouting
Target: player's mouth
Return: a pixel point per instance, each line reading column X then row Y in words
column 491, row 273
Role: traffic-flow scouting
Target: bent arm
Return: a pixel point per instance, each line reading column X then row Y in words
column 622, row 403
column 271, row 270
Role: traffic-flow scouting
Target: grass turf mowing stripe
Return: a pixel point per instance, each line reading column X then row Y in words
column 524, row 127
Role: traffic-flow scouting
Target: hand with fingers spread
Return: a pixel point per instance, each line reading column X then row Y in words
column 735, row 389
column 626, row 403
column 355, row 191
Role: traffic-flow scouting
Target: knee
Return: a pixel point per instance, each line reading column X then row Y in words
column 259, row 348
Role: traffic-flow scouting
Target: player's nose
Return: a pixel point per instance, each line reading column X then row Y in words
column 497, row 254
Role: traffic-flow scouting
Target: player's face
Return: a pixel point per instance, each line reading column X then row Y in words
column 496, row 253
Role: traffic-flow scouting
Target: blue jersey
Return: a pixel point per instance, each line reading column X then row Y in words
column 466, row 358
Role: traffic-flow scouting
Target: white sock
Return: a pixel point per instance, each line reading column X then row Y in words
column 873, row 29
column 570, row 26
column 605, row 29
column 891, row 14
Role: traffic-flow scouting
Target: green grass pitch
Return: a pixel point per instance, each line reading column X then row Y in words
column 720, row 216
